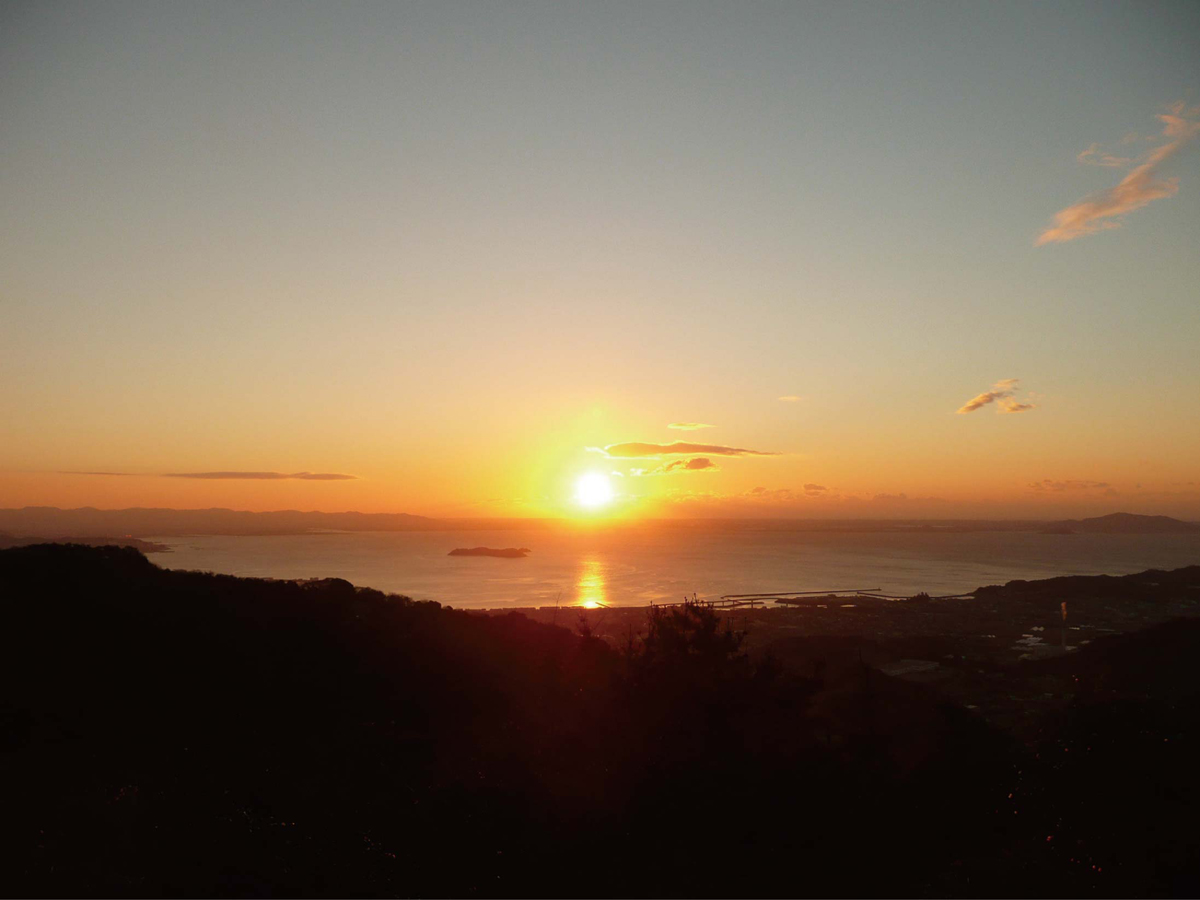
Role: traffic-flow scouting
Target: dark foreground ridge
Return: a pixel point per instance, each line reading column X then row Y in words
column 175, row 733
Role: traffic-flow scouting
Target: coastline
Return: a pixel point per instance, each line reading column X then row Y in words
column 1006, row 653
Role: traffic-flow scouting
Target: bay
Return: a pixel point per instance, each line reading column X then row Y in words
column 636, row 565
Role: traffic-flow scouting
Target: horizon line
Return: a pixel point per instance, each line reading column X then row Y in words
column 568, row 519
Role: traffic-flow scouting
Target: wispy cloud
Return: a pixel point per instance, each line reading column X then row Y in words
column 695, row 464
column 979, row 401
column 1095, row 156
column 690, row 426
column 783, row 496
column 1102, row 211
column 1009, row 405
column 639, row 450
column 1001, row 394
column 1047, row 484
column 905, row 499
column 788, row 495
column 105, row 474
column 791, row 398
column 246, row 476
column 784, row 500
column 264, row 476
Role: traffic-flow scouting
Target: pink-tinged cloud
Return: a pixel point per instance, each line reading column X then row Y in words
column 1001, row 393
column 791, row 398
column 264, row 476
column 640, row 450
column 1102, row 211
column 1094, row 156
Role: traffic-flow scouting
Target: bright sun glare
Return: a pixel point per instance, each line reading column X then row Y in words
column 593, row 490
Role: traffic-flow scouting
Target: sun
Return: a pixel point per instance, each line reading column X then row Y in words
column 593, row 490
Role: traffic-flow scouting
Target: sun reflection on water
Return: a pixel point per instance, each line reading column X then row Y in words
column 590, row 586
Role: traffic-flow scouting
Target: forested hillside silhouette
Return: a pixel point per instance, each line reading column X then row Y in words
column 174, row 733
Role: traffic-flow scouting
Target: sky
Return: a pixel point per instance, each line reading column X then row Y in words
column 905, row 260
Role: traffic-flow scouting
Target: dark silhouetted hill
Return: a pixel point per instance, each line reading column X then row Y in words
column 179, row 733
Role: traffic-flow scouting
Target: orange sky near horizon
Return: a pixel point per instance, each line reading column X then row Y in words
column 811, row 466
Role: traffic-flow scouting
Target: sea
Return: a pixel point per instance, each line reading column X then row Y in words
column 635, row 566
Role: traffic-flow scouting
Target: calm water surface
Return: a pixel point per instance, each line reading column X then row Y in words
column 634, row 565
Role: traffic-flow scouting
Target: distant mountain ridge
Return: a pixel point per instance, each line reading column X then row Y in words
column 90, row 523
column 1123, row 523
column 50, row 521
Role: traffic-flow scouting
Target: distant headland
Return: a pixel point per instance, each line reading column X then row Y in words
column 1122, row 523
column 8, row 540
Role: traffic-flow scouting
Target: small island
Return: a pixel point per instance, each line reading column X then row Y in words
column 505, row 553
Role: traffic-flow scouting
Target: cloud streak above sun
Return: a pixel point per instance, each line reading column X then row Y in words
column 640, row 450
column 1001, row 394
column 1103, row 210
column 696, row 464
column 690, row 426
